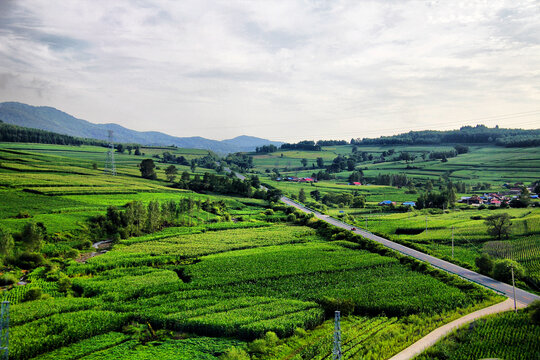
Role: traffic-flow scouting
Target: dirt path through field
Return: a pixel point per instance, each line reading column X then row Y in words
column 434, row 336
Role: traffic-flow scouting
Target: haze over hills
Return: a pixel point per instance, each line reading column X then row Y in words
column 52, row 119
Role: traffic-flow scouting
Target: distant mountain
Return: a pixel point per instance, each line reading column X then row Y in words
column 249, row 143
column 51, row 119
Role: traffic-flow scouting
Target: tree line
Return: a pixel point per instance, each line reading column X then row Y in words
column 480, row 134
column 14, row 133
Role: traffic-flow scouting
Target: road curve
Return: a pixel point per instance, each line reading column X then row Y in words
column 522, row 296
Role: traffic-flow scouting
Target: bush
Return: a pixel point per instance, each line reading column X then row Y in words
column 234, row 354
column 8, row 279
column 484, row 264
column 23, row 215
column 28, row 260
column 271, row 339
column 72, row 254
column 269, row 212
column 300, row 332
column 502, row 270
column 331, row 305
column 534, row 311
column 32, row 294
column 258, row 346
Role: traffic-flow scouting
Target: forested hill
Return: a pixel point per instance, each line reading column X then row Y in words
column 14, row 133
column 51, row 119
column 479, row 134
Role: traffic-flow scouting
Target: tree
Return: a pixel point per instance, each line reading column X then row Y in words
column 320, row 162
column 193, row 165
column 316, row 194
column 153, row 221
column 304, row 162
column 359, row 202
column 120, row 148
column 523, row 200
column 302, row 196
column 171, row 172
column 255, row 181
column 6, row 242
column 498, row 225
column 147, row 167
column 32, row 237
column 537, row 188
column 484, row 264
column 273, row 195
column 138, row 150
column 502, row 270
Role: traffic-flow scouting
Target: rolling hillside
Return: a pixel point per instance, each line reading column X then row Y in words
column 51, row 119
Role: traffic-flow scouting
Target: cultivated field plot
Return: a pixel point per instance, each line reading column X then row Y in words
column 493, row 164
column 59, row 187
column 239, row 283
column 508, row 336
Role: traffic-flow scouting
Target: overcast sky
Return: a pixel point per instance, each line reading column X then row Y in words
column 285, row 70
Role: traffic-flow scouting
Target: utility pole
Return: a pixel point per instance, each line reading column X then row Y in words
column 336, row 354
column 514, row 288
column 110, row 166
column 4, row 331
column 366, row 223
column 452, row 242
column 426, row 223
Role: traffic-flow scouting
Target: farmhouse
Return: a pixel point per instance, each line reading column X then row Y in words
column 387, row 203
column 356, row 183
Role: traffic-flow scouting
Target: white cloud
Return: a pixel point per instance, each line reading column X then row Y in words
column 280, row 69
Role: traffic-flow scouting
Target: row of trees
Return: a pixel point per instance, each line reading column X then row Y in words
column 14, row 133
column 479, row 134
column 135, row 218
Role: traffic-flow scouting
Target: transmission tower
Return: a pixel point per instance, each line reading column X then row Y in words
column 4, row 330
column 337, row 338
column 110, row 167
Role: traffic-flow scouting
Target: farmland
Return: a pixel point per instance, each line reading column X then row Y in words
column 429, row 230
column 224, row 273
column 506, row 336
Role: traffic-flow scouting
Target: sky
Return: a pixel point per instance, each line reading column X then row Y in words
column 283, row 70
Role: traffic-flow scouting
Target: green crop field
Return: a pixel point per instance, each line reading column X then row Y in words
column 508, row 336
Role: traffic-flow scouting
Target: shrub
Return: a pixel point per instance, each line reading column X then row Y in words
column 534, row 311
column 23, row 215
column 331, row 305
column 28, row 260
column 484, row 264
column 8, row 279
column 32, row 294
column 258, row 346
column 300, row 332
column 72, row 254
column 271, row 339
column 234, row 353
column 502, row 270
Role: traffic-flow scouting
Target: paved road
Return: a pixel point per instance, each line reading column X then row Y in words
column 522, row 296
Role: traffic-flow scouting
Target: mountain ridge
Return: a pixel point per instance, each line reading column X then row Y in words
column 51, row 119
